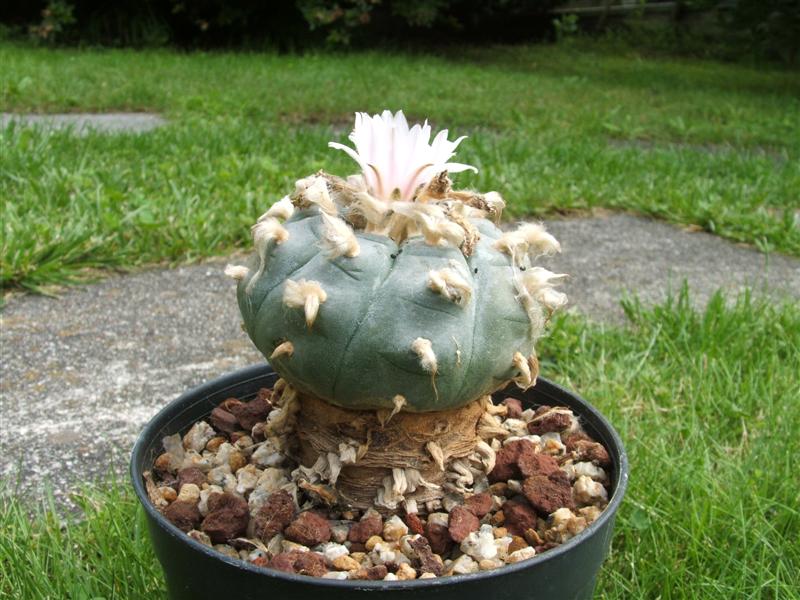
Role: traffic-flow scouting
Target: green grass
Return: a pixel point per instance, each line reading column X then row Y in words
column 554, row 129
column 709, row 409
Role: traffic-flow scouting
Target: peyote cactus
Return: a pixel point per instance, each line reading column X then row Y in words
column 390, row 290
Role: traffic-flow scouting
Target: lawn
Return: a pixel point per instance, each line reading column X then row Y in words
column 554, row 129
column 706, row 403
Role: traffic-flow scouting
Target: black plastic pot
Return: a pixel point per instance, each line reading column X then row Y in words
column 194, row 571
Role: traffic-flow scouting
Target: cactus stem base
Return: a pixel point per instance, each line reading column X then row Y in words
column 385, row 459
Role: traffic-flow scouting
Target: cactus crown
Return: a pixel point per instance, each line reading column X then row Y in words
column 390, row 288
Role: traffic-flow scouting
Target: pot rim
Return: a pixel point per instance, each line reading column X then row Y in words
column 258, row 371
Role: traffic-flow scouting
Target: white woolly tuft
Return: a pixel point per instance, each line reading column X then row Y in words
column 337, row 238
column 427, row 359
column 437, row 454
column 450, row 284
column 304, row 294
column 317, row 194
column 435, row 227
column 375, row 211
column 525, row 378
column 496, row 203
column 284, row 349
column 539, row 284
column 527, row 242
column 263, row 233
column 236, row 272
column 282, row 209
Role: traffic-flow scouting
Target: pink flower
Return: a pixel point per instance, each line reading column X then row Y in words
column 395, row 159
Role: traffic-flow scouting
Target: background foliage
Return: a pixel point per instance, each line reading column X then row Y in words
column 731, row 29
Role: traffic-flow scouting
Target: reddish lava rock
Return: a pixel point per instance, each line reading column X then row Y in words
column 479, row 504
column 415, row 524
column 223, row 421
column 250, row 413
column 592, row 451
column 191, row 475
column 438, row 537
column 227, row 517
column 365, row 529
column 537, row 464
column 375, row 573
column 302, row 563
column 274, row 515
column 462, row 522
column 548, row 494
column 184, row 515
column 571, row 439
column 547, row 420
column 428, row 561
column 519, row 517
column 309, row 529
column 514, row 408
column 505, row 466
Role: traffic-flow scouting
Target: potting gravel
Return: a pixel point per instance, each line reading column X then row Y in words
column 231, row 484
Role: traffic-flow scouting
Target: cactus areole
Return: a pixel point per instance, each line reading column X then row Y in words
column 390, row 291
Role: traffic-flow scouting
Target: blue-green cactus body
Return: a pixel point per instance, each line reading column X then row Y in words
column 358, row 352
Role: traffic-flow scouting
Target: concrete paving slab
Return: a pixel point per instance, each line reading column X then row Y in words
column 84, row 123
column 80, row 374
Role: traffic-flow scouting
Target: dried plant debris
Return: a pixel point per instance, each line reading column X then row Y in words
column 233, row 483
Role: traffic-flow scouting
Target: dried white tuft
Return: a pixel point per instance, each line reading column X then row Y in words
column 237, row 272
column 450, row 284
column 317, row 194
column 284, row 349
column 525, row 378
column 337, row 238
column 306, row 294
column 282, row 209
column 374, row 210
column 436, row 454
column 527, row 241
column 427, row 359
column 263, row 233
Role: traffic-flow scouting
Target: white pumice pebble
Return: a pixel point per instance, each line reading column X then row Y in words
column 332, row 551
column 563, row 525
column 247, row 479
column 189, row 493
column 515, row 485
column 340, row 575
column 590, row 513
column 591, row 470
column 551, row 443
column 464, row 564
column 200, row 536
column 193, row 459
column 588, row 491
column 197, row 437
column 516, row 427
column 480, row 544
column 427, row 576
column 394, row 528
column 390, row 577
column 521, row 554
column 439, row 518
